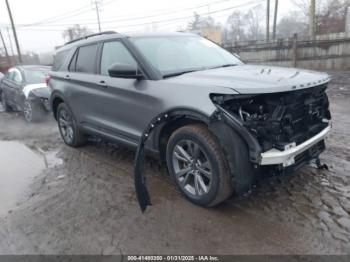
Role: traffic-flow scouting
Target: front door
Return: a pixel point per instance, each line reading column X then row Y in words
column 12, row 85
column 124, row 104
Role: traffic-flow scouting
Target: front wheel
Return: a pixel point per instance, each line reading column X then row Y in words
column 67, row 126
column 197, row 164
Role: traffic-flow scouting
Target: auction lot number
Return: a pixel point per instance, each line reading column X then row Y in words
column 173, row 258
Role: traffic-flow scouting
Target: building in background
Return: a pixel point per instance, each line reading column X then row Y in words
column 213, row 33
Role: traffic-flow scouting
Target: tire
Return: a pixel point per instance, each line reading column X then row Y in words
column 207, row 165
column 70, row 133
column 33, row 112
column 6, row 107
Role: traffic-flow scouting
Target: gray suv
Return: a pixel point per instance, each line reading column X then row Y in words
column 216, row 122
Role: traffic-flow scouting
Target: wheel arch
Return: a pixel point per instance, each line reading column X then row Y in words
column 56, row 99
column 177, row 119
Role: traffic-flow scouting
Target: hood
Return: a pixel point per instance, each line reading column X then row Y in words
column 253, row 79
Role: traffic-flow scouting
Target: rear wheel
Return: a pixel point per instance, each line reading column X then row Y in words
column 67, row 126
column 197, row 164
column 33, row 112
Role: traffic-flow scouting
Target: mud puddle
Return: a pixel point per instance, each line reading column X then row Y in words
column 18, row 166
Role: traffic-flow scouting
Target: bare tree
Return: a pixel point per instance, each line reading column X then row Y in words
column 196, row 23
column 253, row 19
column 291, row 24
column 199, row 22
column 75, row 32
column 235, row 25
column 330, row 14
column 332, row 17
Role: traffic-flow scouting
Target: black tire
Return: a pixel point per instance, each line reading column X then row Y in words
column 218, row 185
column 5, row 106
column 33, row 112
column 70, row 133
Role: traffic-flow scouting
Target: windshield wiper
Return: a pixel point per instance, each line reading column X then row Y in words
column 195, row 70
column 178, row 73
column 225, row 65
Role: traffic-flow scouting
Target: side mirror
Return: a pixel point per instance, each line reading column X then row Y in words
column 125, row 71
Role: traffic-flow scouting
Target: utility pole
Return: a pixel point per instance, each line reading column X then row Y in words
column 6, row 53
column 267, row 20
column 275, row 20
column 10, row 41
column 97, row 7
column 14, row 32
column 312, row 19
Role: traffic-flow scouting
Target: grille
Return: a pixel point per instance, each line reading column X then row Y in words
column 305, row 112
column 291, row 117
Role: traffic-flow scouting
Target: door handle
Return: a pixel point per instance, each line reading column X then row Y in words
column 102, row 83
column 67, row 77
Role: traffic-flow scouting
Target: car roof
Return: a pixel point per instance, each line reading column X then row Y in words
column 114, row 35
column 31, row 67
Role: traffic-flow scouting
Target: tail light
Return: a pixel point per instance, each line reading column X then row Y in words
column 47, row 79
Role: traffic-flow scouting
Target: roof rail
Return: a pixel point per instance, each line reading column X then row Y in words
column 87, row 36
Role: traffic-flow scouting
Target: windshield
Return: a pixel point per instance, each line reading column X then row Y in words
column 176, row 54
column 35, row 75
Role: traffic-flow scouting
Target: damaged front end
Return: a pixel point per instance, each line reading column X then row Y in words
column 281, row 131
column 289, row 127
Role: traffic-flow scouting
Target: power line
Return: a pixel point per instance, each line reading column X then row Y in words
column 56, row 18
column 165, row 12
column 82, row 10
column 167, row 20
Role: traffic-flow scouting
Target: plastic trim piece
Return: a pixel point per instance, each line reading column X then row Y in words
column 286, row 157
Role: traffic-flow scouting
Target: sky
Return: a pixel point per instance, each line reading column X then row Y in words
column 40, row 23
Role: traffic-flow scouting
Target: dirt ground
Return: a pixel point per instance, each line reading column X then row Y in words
column 82, row 201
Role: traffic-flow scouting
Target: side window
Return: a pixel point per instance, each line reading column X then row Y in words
column 9, row 75
column 59, row 60
column 115, row 52
column 17, row 77
column 86, row 60
column 73, row 62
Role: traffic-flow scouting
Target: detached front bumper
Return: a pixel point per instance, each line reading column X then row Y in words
column 287, row 157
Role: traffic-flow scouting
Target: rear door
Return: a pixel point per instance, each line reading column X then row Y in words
column 82, row 87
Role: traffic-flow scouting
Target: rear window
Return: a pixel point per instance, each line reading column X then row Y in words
column 86, row 61
column 35, row 76
column 59, row 60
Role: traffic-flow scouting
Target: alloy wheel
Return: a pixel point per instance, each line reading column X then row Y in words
column 27, row 111
column 65, row 124
column 193, row 170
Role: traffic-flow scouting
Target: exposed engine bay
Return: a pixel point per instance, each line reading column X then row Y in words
column 279, row 119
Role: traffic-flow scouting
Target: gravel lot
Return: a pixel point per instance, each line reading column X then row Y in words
column 82, row 201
